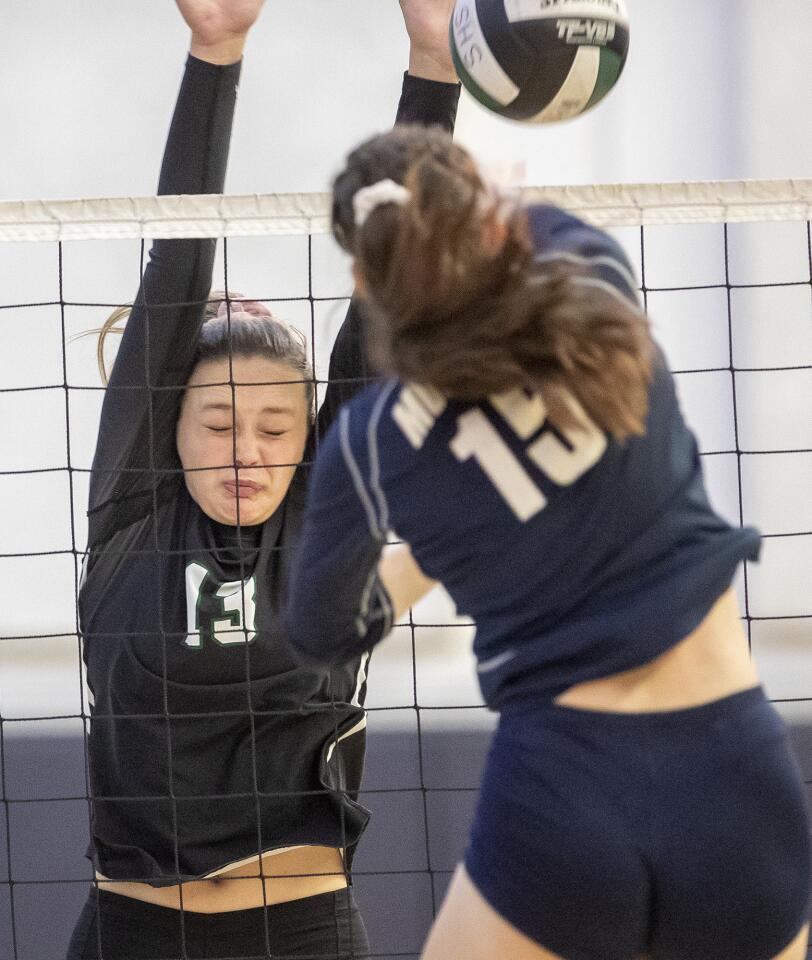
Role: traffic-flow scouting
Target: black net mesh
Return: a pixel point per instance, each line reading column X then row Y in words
column 730, row 301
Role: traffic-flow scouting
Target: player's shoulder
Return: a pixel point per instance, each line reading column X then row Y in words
column 558, row 236
column 553, row 227
column 356, row 421
column 391, row 413
column 367, row 407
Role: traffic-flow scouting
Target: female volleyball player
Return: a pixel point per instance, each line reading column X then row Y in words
column 640, row 799
column 223, row 773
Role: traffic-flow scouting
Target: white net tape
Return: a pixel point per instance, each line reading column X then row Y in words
column 619, row 205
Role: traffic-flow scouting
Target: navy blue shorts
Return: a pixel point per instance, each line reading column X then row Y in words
column 681, row 835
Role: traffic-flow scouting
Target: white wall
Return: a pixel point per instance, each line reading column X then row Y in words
column 711, row 91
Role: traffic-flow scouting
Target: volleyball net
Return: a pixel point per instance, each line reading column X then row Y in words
column 725, row 271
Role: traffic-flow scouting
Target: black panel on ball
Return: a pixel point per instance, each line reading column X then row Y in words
column 620, row 44
column 520, row 49
column 547, row 67
column 506, row 45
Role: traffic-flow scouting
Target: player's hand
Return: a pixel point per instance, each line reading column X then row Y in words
column 427, row 25
column 219, row 27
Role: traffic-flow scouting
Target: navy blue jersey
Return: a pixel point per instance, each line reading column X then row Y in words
column 209, row 740
column 577, row 556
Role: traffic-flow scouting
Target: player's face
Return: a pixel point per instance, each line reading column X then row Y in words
column 239, row 447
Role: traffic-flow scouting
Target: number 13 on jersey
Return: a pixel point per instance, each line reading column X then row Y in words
column 526, row 414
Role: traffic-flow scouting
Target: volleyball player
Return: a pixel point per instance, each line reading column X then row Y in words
column 223, row 772
column 640, row 798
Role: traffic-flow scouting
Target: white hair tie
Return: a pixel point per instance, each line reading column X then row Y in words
column 368, row 199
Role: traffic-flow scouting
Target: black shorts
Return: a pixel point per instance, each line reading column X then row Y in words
column 327, row 927
column 681, row 835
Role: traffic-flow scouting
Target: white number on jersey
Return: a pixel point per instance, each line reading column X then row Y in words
column 526, row 415
column 215, row 610
column 416, row 412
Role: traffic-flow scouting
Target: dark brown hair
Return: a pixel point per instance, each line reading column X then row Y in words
column 234, row 327
column 457, row 302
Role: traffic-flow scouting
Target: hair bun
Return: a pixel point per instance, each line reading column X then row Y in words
column 234, row 305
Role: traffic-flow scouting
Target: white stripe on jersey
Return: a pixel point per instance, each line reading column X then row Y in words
column 361, row 725
column 386, row 606
column 360, row 679
column 374, row 457
column 356, row 702
column 361, row 619
column 355, row 473
column 607, row 287
column 486, row 666
column 602, row 260
column 87, row 691
column 598, row 284
column 386, row 612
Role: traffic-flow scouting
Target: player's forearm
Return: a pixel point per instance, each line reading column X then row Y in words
column 335, row 613
column 404, row 581
column 178, row 277
column 196, row 152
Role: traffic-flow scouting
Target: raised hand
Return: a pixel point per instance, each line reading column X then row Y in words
column 219, row 27
column 427, row 24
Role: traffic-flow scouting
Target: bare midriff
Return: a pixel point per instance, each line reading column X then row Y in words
column 285, row 875
column 711, row 663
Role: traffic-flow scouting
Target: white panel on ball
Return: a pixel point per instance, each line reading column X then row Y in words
column 519, row 10
column 576, row 90
column 477, row 55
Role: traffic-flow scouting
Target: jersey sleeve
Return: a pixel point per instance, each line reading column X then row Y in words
column 337, row 606
column 559, row 237
column 425, row 102
column 135, row 450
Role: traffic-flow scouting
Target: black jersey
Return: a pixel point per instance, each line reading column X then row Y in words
column 209, row 741
column 577, row 557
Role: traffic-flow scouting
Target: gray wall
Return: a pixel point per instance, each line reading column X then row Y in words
column 402, row 868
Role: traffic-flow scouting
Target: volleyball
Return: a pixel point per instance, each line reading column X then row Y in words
column 539, row 61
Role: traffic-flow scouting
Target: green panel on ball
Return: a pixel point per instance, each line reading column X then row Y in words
column 608, row 72
column 469, row 82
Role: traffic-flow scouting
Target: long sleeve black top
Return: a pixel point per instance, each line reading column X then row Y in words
column 209, row 741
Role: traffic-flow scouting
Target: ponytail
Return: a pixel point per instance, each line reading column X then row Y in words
column 456, row 301
column 113, row 324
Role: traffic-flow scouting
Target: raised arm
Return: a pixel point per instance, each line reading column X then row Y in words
column 430, row 96
column 135, row 450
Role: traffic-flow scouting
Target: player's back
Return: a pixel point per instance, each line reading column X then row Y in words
column 576, row 556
